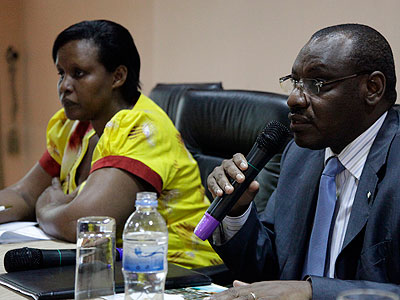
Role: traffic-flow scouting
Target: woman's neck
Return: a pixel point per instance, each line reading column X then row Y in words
column 99, row 124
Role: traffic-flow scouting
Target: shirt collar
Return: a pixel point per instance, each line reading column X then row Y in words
column 354, row 155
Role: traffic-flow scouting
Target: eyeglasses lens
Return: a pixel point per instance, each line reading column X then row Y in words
column 308, row 86
column 287, row 85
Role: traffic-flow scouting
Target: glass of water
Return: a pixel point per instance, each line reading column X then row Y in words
column 95, row 256
column 367, row 294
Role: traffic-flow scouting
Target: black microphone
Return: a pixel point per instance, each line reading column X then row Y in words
column 268, row 143
column 23, row 259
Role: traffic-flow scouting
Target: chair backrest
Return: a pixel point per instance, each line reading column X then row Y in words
column 167, row 95
column 217, row 124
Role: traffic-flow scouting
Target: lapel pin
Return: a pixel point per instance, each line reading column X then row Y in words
column 368, row 195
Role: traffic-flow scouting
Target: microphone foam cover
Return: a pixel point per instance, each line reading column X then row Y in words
column 22, row 259
column 273, row 137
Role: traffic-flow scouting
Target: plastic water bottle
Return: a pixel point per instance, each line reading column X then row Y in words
column 145, row 243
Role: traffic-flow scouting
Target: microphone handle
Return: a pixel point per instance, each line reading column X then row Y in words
column 62, row 257
column 222, row 205
column 22, row 259
column 66, row 257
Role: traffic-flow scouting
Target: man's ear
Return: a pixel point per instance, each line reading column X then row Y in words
column 120, row 74
column 376, row 86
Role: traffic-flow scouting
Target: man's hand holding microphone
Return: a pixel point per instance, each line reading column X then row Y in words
column 219, row 184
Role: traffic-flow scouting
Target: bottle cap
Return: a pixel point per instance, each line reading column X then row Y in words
column 146, row 199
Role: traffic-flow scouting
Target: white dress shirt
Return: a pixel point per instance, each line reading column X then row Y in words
column 353, row 158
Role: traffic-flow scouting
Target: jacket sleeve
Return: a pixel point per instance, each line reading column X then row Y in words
column 250, row 253
column 329, row 288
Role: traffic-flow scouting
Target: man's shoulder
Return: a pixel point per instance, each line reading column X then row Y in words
column 389, row 133
column 396, row 118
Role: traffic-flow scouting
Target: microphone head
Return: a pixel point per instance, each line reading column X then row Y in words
column 273, row 137
column 22, row 259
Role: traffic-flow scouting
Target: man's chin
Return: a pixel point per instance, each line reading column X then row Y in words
column 308, row 143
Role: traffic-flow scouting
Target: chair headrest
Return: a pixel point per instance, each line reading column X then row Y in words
column 223, row 122
column 167, row 95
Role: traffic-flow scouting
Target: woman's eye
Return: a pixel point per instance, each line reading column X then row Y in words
column 60, row 75
column 78, row 74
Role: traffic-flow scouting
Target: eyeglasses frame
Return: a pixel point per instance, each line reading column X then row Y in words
column 319, row 82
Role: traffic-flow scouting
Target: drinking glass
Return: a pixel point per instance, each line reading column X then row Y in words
column 367, row 294
column 95, row 257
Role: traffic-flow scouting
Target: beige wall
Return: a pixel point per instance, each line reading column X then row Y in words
column 10, row 35
column 249, row 44
column 246, row 44
column 35, row 24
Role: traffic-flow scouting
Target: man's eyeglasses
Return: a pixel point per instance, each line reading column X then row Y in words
column 309, row 85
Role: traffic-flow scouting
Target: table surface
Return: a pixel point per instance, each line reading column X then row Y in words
column 9, row 294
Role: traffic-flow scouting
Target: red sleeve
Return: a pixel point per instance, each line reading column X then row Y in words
column 50, row 165
column 132, row 166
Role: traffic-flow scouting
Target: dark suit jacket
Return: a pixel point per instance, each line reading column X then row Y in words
column 274, row 245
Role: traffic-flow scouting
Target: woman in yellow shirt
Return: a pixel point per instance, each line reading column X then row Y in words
column 107, row 143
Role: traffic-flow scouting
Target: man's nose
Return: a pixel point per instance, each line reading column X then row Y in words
column 297, row 98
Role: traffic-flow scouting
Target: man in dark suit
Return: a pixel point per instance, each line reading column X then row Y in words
column 342, row 91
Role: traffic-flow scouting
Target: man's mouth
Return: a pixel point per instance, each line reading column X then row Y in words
column 298, row 119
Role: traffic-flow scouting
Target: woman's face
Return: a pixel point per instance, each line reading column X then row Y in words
column 84, row 86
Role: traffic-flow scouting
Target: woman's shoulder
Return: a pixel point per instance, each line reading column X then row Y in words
column 145, row 111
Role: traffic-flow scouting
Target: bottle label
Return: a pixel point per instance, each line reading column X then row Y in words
column 144, row 259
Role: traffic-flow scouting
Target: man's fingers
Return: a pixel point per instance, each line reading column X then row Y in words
column 236, row 166
column 253, row 188
column 212, row 183
column 239, row 283
column 219, row 181
column 240, row 161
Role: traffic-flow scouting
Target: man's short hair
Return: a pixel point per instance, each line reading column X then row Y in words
column 371, row 52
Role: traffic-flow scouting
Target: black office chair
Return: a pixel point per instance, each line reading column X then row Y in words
column 167, row 95
column 217, row 124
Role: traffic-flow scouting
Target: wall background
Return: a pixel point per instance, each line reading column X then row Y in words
column 246, row 44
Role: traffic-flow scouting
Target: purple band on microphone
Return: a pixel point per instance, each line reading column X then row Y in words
column 206, row 226
column 120, row 251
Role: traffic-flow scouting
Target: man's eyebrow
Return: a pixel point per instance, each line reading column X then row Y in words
column 317, row 67
column 315, row 70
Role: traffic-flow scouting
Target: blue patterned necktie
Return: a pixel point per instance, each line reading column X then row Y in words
column 317, row 249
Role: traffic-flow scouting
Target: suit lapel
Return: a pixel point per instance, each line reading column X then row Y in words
column 360, row 210
column 303, row 215
column 369, row 178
